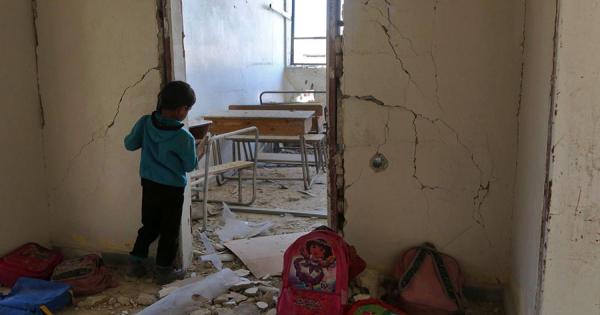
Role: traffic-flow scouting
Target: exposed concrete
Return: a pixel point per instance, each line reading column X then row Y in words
column 572, row 282
column 234, row 50
column 434, row 86
column 533, row 136
column 99, row 72
column 23, row 209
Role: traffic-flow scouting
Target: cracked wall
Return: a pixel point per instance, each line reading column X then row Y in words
column 23, row 210
column 538, row 54
column 571, row 282
column 434, row 86
column 99, row 72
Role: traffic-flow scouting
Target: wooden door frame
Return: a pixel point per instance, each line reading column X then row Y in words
column 335, row 148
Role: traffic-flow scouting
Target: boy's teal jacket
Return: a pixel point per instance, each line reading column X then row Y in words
column 168, row 150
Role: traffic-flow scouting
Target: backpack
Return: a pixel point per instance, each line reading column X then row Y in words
column 429, row 282
column 30, row 260
column 373, row 307
column 87, row 275
column 35, row 297
column 317, row 268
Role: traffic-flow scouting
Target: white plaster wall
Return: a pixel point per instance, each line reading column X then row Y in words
column 434, row 86
column 99, row 73
column 23, row 205
column 572, row 281
column 532, row 154
column 306, row 78
column 234, row 50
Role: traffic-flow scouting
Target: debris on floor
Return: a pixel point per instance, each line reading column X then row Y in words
column 263, row 255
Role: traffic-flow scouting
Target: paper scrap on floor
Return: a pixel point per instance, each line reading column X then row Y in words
column 263, row 255
column 235, row 228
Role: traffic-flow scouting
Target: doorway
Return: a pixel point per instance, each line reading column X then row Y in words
column 267, row 55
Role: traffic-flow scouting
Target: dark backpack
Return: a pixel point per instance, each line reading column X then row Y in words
column 87, row 275
column 428, row 282
column 30, row 260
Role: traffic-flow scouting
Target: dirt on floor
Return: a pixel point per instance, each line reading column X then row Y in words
column 133, row 295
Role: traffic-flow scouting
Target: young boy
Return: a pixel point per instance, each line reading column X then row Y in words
column 168, row 152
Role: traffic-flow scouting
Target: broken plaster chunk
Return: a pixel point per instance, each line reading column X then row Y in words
column 221, row 299
column 237, row 297
column 271, row 312
column 262, row 305
column 226, row 257
column 230, row 303
column 242, row 272
column 202, row 311
column 123, row 300
column 246, row 309
column 267, row 289
column 145, row 299
column 91, row 301
column 219, row 247
column 251, row 291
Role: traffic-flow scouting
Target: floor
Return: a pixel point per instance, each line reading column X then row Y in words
column 270, row 194
column 127, row 297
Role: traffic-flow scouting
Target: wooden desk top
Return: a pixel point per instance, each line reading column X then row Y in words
column 261, row 114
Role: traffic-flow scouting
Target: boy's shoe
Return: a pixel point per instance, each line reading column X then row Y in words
column 166, row 275
column 136, row 268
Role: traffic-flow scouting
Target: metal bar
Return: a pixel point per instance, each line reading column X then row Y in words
column 286, row 15
column 321, row 214
column 305, row 169
column 314, row 37
column 205, row 190
column 260, row 97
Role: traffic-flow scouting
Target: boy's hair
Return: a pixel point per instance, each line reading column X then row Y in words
column 176, row 94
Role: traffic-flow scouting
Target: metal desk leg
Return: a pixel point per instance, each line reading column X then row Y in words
column 305, row 169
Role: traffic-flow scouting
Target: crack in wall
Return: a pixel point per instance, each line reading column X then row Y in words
column 416, row 115
column 438, row 100
column 116, row 115
column 34, row 12
column 95, row 135
column 482, row 193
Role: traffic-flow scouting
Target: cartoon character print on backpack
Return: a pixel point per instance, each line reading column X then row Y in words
column 315, row 268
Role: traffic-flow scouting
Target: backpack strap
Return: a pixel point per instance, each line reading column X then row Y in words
column 413, row 268
column 445, row 278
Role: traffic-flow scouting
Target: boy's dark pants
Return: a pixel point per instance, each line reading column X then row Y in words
column 161, row 216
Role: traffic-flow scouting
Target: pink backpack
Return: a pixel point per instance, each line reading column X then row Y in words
column 87, row 275
column 317, row 268
column 429, row 282
column 30, row 260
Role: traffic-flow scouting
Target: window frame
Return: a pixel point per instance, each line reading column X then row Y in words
column 293, row 41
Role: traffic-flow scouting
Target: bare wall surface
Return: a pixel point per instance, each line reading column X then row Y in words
column 234, row 50
column 533, row 139
column 298, row 78
column 572, row 281
column 434, row 86
column 23, row 211
column 99, row 73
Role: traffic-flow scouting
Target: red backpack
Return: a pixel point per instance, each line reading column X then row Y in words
column 87, row 275
column 30, row 260
column 317, row 268
column 429, row 282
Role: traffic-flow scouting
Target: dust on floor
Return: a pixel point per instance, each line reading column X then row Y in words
column 282, row 194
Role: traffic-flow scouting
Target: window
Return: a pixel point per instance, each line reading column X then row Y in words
column 309, row 32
